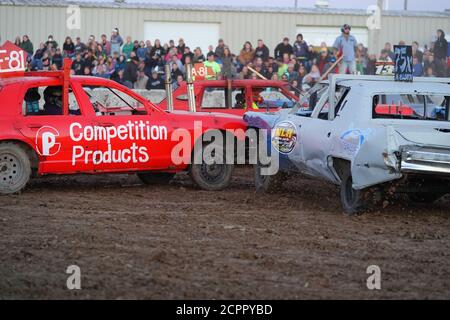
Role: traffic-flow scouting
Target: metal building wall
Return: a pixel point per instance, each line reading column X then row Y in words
column 235, row 27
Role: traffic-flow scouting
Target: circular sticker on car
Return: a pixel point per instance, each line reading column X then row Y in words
column 284, row 137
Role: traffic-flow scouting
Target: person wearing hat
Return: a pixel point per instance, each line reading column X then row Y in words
column 346, row 46
column 283, row 48
column 116, row 41
column 212, row 65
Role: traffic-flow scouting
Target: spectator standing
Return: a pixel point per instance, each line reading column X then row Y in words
column 141, row 51
column 128, row 47
column 68, row 47
column 346, row 43
column 115, row 41
column 106, row 45
column 181, row 46
column 131, row 72
column 228, row 69
column 220, row 49
column 283, row 48
column 247, row 54
column 262, row 51
column 440, row 53
column 26, row 45
column 416, row 51
column 213, row 65
column 300, row 48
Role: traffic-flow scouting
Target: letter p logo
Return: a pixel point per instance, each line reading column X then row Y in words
column 46, row 141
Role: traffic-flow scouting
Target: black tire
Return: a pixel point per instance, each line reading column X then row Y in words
column 211, row 177
column 155, row 178
column 15, row 168
column 268, row 184
column 425, row 197
column 353, row 201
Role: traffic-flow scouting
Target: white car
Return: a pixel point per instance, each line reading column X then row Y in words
column 364, row 133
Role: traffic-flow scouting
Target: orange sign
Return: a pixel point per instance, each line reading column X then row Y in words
column 200, row 71
column 12, row 58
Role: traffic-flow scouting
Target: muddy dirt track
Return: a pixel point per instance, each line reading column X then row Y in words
column 171, row 242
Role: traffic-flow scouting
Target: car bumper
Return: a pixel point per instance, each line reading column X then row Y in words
column 426, row 160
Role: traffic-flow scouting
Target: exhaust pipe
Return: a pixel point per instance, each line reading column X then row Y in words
column 169, row 92
column 190, row 88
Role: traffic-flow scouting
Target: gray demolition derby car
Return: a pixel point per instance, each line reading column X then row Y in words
column 369, row 134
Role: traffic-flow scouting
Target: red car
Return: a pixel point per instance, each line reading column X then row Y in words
column 53, row 123
column 254, row 95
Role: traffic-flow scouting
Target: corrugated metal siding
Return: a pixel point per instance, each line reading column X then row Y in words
column 235, row 27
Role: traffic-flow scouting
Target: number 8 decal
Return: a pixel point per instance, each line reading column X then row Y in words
column 17, row 59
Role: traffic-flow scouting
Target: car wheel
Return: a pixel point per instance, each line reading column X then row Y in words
column 424, row 197
column 210, row 175
column 15, row 168
column 155, row 178
column 353, row 201
column 266, row 183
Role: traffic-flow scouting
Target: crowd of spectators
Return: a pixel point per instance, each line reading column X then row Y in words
column 140, row 64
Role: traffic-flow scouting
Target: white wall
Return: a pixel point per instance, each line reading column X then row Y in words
column 315, row 34
column 194, row 34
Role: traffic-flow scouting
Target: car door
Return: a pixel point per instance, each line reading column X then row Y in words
column 130, row 136
column 319, row 132
column 50, row 132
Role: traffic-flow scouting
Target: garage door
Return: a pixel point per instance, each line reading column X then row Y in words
column 194, row 34
column 317, row 35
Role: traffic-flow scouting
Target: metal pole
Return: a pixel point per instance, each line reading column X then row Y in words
column 405, row 5
column 169, row 92
column 190, row 87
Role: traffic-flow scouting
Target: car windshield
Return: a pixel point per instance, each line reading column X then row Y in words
column 308, row 101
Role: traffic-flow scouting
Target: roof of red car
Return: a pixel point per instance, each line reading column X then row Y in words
column 237, row 82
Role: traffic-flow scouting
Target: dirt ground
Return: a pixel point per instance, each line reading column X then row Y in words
column 178, row 242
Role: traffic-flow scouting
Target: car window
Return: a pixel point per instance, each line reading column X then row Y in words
column 323, row 114
column 217, row 97
column 411, row 106
column 113, row 102
column 341, row 99
column 272, row 97
column 47, row 100
column 309, row 101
